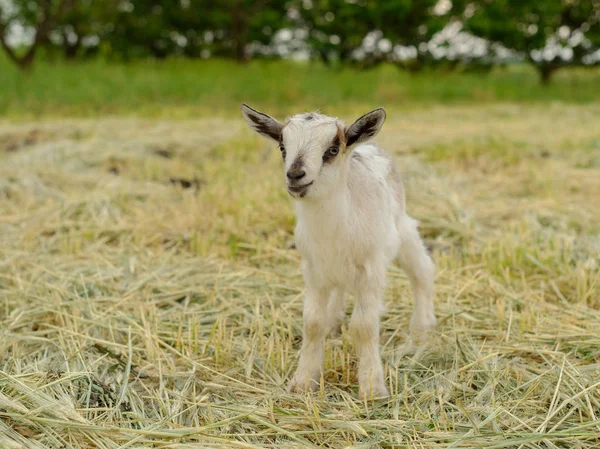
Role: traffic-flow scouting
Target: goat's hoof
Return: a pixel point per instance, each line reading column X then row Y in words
column 421, row 325
column 335, row 331
column 300, row 385
column 373, row 391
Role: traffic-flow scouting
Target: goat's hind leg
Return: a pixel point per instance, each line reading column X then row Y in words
column 416, row 262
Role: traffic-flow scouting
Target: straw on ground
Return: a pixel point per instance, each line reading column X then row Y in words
column 150, row 294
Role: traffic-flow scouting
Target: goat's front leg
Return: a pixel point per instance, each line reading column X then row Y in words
column 336, row 311
column 315, row 328
column 364, row 327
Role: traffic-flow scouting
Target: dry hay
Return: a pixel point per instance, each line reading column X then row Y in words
column 150, row 294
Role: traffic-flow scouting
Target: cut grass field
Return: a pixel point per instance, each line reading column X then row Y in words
column 150, row 293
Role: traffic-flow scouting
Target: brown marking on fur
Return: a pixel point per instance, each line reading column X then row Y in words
column 339, row 142
column 282, row 147
column 297, row 165
column 340, row 138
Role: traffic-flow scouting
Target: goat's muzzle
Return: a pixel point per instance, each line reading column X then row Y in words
column 299, row 191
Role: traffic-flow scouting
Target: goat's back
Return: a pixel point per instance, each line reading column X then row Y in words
column 373, row 175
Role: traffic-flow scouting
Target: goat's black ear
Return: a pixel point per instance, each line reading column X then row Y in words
column 365, row 127
column 262, row 123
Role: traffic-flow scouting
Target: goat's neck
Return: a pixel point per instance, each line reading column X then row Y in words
column 329, row 210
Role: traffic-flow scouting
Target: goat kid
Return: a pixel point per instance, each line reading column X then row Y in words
column 351, row 225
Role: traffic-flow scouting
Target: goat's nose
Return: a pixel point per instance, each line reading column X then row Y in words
column 296, row 173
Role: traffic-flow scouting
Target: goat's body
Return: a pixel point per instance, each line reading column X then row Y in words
column 351, row 225
column 354, row 233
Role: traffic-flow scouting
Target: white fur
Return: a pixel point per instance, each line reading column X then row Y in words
column 351, row 225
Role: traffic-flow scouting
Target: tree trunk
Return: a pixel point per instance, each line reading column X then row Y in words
column 324, row 57
column 240, row 46
column 239, row 32
column 22, row 62
column 26, row 63
column 546, row 71
column 71, row 50
column 240, row 27
column 344, row 54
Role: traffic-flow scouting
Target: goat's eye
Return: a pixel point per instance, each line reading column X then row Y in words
column 281, row 147
column 330, row 153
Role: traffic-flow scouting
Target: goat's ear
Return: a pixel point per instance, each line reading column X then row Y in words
column 262, row 123
column 365, row 127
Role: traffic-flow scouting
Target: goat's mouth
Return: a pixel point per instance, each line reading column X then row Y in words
column 299, row 190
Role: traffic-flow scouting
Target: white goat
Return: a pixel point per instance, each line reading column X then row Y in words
column 351, row 225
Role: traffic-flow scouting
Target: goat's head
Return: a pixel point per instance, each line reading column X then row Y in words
column 315, row 148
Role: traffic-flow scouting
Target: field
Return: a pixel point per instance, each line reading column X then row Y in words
column 150, row 293
column 183, row 88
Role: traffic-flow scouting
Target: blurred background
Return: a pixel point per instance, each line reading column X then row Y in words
column 184, row 52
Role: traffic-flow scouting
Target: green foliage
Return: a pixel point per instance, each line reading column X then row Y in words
column 194, row 27
column 240, row 22
column 336, row 28
column 37, row 15
column 536, row 29
column 549, row 34
column 144, row 27
column 79, row 20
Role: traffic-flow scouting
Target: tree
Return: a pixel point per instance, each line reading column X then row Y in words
column 142, row 27
column 191, row 24
column 411, row 24
column 367, row 32
column 336, row 28
column 549, row 34
column 81, row 20
column 195, row 27
column 38, row 15
column 65, row 23
column 238, row 23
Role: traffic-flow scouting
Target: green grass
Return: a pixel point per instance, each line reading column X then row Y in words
column 185, row 88
column 138, row 313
